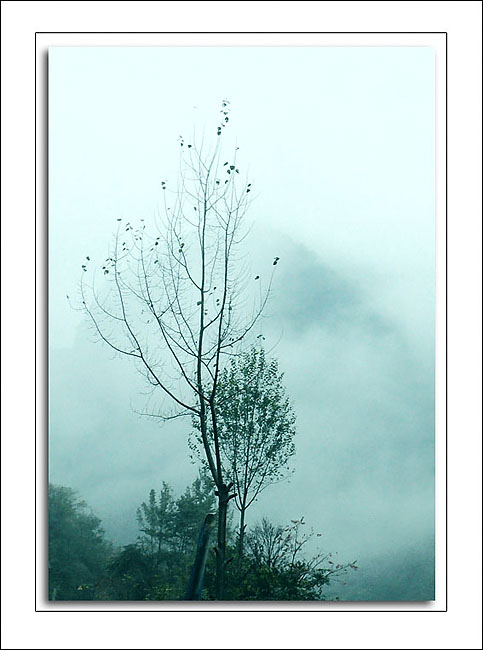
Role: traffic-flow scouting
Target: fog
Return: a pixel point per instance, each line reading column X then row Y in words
column 339, row 145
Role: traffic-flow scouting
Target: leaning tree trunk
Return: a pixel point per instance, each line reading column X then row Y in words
column 195, row 584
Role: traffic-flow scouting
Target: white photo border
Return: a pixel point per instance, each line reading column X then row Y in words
column 435, row 40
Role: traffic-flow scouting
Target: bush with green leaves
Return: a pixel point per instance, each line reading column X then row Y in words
column 276, row 565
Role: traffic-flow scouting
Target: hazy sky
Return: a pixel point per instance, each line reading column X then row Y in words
column 339, row 145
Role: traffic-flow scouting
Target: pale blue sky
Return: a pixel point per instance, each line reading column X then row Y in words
column 339, row 142
column 339, row 145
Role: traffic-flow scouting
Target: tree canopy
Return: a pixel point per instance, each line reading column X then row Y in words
column 256, row 426
column 78, row 551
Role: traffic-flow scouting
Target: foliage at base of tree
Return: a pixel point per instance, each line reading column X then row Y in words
column 278, row 562
column 158, row 565
column 275, row 565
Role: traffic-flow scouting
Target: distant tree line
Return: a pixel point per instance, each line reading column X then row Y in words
column 83, row 565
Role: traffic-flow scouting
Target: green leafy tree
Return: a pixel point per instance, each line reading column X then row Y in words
column 78, row 551
column 256, row 427
column 156, row 523
column 191, row 509
column 169, row 530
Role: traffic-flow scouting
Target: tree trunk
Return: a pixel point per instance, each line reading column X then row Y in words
column 223, row 499
column 241, row 535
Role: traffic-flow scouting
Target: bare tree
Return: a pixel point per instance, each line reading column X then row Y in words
column 177, row 301
column 280, row 551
